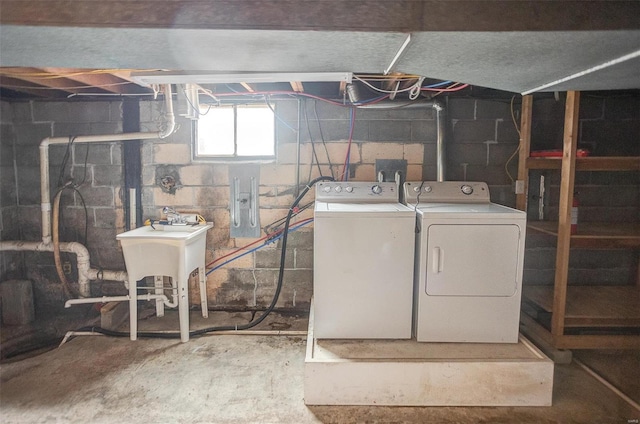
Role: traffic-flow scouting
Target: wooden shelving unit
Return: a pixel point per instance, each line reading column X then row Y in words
column 581, row 317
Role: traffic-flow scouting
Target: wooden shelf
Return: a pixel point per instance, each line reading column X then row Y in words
column 592, row 306
column 578, row 306
column 590, row 163
column 604, row 235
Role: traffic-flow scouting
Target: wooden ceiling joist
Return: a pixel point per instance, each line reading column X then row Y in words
column 297, row 86
column 247, row 87
column 44, row 79
column 25, row 87
column 103, row 81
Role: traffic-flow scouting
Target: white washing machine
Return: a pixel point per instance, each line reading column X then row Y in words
column 468, row 263
column 363, row 262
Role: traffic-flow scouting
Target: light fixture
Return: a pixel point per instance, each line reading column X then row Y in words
column 169, row 77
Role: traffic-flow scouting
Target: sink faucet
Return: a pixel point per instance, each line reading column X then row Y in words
column 172, row 215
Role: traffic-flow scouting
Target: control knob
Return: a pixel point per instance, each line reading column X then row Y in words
column 326, row 189
column 349, row 189
column 338, row 189
column 466, row 189
column 427, row 189
column 376, row 189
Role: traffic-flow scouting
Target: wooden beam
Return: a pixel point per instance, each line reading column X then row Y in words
column 45, row 79
column 26, row 87
column 595, row 163
column 247, row 87
column 403, row 16
column 104, row 81
column 343, row 87
column 597, row 342
column 525, row 150
column 567, row 178
column 297, row 86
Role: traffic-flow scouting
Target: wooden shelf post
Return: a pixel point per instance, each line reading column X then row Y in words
column 524, row 151
column 570, row 143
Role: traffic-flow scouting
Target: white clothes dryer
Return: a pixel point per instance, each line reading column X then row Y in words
column 468, row 263
column 363, row 262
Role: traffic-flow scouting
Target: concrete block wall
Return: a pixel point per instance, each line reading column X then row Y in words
column 609, row 126
column 8, row 194
column 480, row 139
column 204, row 187
column 96, row 205
column 324, row 129
column 9, row 262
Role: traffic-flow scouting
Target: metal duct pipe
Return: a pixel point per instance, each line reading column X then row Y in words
column 440, row 126
column 441, row 154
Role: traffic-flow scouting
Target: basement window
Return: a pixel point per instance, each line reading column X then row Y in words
column 235, row 132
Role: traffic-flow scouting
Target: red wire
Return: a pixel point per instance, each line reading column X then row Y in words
column 253, row 243
column 374, row 101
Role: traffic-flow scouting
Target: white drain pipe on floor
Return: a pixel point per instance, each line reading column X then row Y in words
column 85, row 272
column 107, row 299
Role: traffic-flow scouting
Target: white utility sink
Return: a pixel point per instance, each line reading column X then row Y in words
column 173, row 251
column 159, row 230
column 176, row 228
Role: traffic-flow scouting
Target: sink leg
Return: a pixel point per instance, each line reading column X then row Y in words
column 203, row 291
column 133, row 310
column 183, row 306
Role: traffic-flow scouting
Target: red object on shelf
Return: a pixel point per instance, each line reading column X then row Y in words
column 557, row 153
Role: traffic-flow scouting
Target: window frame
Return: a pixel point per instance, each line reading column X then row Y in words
column 234, row 158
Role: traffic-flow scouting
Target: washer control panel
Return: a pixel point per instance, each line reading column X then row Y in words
column 446, row 192
column 356, row 192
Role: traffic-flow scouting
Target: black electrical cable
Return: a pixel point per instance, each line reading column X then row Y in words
column 273, row 229
column 313, row 146
column 250, row 324
column 324, row 143
column 86, row 158
column 65, row 159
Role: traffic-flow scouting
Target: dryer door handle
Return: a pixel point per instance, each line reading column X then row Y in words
column 437, row 259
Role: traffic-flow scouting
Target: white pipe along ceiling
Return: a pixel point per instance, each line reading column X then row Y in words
column 85, row 272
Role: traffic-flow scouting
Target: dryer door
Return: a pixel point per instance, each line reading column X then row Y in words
column 472, row 260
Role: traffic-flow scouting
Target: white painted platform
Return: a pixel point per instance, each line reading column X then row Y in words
column 408, row 373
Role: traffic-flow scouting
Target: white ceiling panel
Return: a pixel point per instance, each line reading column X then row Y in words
column 195, row 49
column 523, row 61
column 513, row 61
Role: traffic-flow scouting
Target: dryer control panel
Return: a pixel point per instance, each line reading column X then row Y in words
column 446, row 192
column 356, row 192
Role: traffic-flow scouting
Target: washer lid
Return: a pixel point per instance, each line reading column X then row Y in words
column 363, row 208
column 461, row 210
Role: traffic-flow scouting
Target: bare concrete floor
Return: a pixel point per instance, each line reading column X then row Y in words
column 240, row 379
